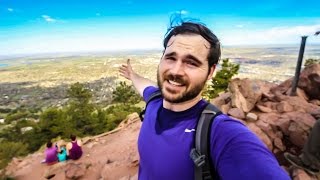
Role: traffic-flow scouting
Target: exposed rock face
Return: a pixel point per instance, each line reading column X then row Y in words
column 310, row 80
column 245, row 93
column 282, row 122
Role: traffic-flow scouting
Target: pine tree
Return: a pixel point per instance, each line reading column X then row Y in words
column 220, row 81
column 125, row 94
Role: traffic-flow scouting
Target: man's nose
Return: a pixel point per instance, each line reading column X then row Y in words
column 177, row 68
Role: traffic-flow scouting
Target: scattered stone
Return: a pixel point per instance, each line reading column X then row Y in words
column 25, row 129
column 284, row 107
column 251, row 117
column 237, row 113
column 264, row 109
column 278, row 143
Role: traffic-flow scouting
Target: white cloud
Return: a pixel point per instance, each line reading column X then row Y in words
column 10, row 9
column 182, row 12
column 275, row 35
column 48, row 18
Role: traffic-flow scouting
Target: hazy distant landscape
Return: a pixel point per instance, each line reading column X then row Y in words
column 268, row 63
column 42, row 80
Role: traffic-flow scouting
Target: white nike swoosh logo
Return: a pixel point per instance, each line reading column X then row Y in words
column 189, row 130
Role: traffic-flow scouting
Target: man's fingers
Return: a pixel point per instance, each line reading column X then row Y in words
column 125, row 69
column 124, row 72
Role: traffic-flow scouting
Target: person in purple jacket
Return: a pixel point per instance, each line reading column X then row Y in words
column 51, row 153
column 191, row 53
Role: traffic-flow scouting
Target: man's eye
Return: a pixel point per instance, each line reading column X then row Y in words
column 171, row 58
column 191, row 63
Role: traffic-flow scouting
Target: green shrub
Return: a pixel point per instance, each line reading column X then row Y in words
column 5, row 110
column 17, row 116
column 221, row 80
column 8, row 150
column 125, row 94
column 117, row 113
column 309, row 62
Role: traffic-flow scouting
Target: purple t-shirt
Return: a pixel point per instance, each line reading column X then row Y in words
column 51, row 155
column 167, row 137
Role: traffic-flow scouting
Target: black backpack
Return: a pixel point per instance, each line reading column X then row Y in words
column 200, row 154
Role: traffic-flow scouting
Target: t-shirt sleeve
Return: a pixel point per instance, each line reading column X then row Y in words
column 148, row 91
column 237, row 153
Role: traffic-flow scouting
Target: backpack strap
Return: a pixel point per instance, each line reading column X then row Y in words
column 201, row 153
column 151, row 97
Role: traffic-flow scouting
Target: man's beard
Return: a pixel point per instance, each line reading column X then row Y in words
column 188, row 94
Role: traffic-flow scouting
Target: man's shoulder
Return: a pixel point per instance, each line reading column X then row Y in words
column 148, row 91
column 227, row 130
column 227, row 122
column 226, row 127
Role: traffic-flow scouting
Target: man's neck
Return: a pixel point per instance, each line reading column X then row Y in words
column 177, row 107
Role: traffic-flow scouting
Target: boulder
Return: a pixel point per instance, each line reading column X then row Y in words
column 245, row 93
column 299, row 92
column 309, row 81
column 251, row 117
column 297, row 135
column 263, row 108
column 222, row 99
column 261, row 135
column 281, row 88
column 278, row 143
column 284, row 106
column 237, row 113
column 266, row 128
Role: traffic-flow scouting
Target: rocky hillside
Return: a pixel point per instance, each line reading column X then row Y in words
column 283, row 123
column 112, row 155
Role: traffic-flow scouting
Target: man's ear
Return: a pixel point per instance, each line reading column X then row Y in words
column 212, row 68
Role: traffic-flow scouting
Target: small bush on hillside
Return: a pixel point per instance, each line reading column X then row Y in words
column 311, row 61
column 117, row 113
column 21, row 114
column 5, row 110
column 8, row 150
column 125, row 94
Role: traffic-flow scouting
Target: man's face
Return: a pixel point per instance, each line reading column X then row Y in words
column 183, row 69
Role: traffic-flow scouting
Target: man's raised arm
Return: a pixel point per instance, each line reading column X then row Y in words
column 139, row 82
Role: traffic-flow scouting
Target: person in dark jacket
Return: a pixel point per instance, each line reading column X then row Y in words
column 74, row 149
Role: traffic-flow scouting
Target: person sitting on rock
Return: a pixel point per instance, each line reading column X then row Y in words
column 309, row 159
column 51, row 153
column 62, row 154
column 74, row 150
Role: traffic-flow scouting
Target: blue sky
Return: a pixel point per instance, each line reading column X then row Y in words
column 41, row 26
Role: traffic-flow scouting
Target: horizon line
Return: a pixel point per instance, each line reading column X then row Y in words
column 140, row 50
